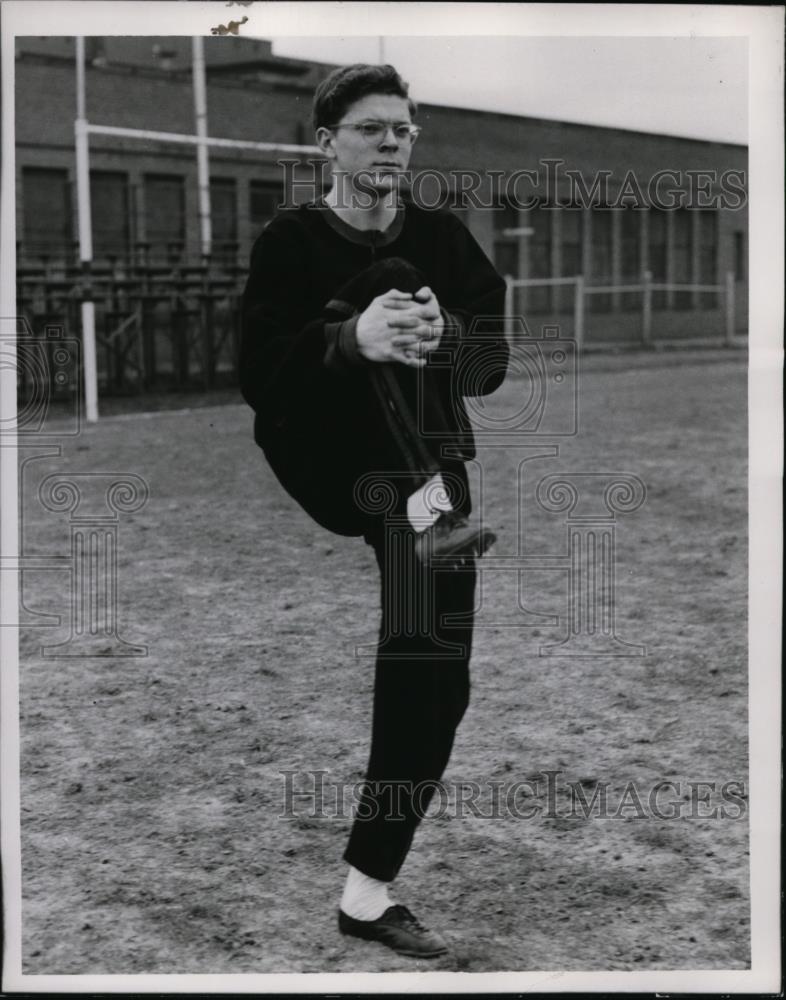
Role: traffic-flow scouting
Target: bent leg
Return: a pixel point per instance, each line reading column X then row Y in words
column 406, row 401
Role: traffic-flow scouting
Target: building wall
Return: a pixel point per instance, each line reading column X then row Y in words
column 265, row 99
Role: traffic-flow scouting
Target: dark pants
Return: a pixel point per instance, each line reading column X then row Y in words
column 421, row 684
column 421, row 691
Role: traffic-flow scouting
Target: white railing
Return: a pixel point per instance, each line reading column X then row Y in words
column 646, row 287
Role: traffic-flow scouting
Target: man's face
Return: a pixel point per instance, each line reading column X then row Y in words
column 374, row 164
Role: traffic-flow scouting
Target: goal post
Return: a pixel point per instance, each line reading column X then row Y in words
column 203, row 164
column 202, row 142
column 85, row 236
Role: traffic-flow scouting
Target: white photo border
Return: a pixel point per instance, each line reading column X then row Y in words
column 763, row 26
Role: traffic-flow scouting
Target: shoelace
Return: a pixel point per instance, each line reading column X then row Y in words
column 410, row 918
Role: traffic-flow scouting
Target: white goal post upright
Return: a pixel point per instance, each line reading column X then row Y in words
column 203, row 167
column 85, row 235
column 82, row 132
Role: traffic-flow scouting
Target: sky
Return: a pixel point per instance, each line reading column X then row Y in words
column 689, row 86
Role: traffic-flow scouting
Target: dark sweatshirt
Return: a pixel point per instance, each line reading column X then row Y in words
column 316, row 417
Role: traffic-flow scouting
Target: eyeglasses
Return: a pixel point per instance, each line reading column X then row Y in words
column 375, row 131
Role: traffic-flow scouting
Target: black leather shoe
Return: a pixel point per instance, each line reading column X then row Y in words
column 398, row 929
column 452, row 537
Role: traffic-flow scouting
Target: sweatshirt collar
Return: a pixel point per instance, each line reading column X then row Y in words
column 365, row 237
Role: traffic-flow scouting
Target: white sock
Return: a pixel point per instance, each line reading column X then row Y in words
column 364, row 898
column 426, row 504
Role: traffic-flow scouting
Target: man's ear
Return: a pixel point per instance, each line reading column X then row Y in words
column 326, row 142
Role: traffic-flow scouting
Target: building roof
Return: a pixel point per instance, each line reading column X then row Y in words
column 247, row 62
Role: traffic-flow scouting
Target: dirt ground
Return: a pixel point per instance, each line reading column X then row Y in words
column 153, row 787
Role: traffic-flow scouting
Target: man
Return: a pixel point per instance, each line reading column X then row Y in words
column 358, row 343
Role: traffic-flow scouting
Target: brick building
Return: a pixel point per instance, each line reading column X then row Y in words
column 674, row 207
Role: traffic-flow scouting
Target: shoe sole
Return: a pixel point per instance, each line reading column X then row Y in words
column 475, row 547
column 418, row 954
column 399, row 951
column 486, row 541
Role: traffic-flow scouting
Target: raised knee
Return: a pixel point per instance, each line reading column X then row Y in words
column 399, row 273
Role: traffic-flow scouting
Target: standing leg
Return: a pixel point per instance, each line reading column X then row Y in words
column 421, row 686
column 421, row 692
column 420, row 696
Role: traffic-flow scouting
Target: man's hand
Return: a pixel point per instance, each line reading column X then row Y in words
column 423, row 324
column 399, row 326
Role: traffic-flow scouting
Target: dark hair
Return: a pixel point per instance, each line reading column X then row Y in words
column 347, row 84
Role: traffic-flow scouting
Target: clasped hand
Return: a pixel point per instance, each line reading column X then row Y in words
column 400, row 326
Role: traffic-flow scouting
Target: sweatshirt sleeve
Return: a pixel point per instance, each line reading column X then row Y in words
column 474, row 314
column 286, row 356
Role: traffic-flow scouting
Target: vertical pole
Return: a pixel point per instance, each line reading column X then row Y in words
column 81, row 104
column 646, row 309
column 509, row 307
column 578, row 313
column 615, row 222
column 695, row 257
column 731, row 318
column 203, row 168
column 85, row 232
column 667, row 296
column 381, row 50
column 14, row 366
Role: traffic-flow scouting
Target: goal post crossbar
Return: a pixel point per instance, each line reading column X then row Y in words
column 195, row 140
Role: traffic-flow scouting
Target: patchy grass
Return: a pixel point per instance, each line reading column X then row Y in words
column 152, row 787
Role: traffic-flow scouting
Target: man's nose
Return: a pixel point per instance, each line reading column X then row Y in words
column 389, row 138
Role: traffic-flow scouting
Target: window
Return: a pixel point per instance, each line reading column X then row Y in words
column 506, row 247
column 506, row 257
column 223, row 218
column 683, row 256
column 539, row 297
column 109, row 210
column 165, row 215
column 739, row 256
column 571, row 241
column 657, row 254
column 263, row 199
column 47, row 222
column 601, row 256
column 506, row 216
column 708, row 257
column 630, row 239
column 572, row 225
